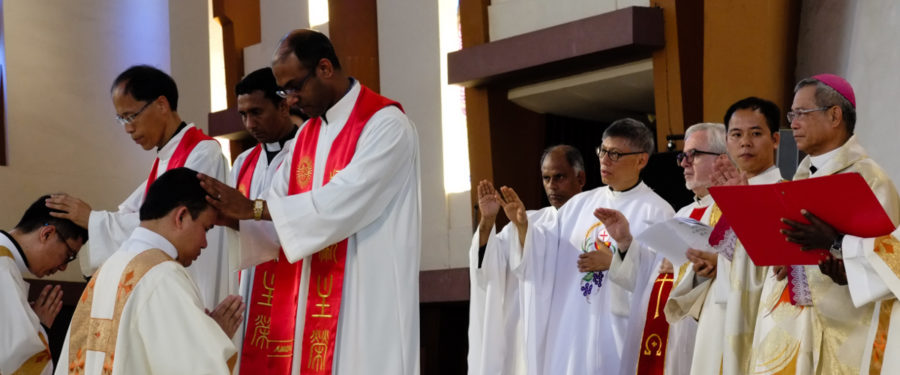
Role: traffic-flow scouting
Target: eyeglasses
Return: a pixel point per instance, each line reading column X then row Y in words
column 614, row 155
column 71, row 254
column 689, row 155
column 793, row 115
column 125, row 120
column 287, row 92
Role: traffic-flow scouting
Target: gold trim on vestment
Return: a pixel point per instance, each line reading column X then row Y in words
column 884, row 322
column 38, row 362
column 100, row 335
column 4, row 252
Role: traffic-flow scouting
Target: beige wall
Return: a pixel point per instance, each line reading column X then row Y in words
column 409, row 59
column 857, row 40
column 61, row 57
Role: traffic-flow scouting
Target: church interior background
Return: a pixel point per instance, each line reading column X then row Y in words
column 489, row 84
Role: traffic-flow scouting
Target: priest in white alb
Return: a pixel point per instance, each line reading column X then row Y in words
column 496, row 329
column 573, row 325
column 146, row 101
column 346, row 203
column 41, row 245
column 141, row 313
column 703, row 142
column 266, row 117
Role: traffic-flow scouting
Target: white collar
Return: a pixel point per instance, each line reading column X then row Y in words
column 152, row 240
column 820, row 161
column 340, row 111
column 769, row 176
column 703, row 201
column 272, row 146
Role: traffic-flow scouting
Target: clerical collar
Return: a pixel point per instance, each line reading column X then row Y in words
column 820, row 161
column 342, row 102
column 273, row 148
column 769, row 176
column 626, row 190
column 180, row 126
column 18, row 247
column 705, row 200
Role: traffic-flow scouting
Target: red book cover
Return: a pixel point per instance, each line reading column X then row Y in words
column 754, row 212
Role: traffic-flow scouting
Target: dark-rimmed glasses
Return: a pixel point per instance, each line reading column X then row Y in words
column 689, row 155
column 614, row 155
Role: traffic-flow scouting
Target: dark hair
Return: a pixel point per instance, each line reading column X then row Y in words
column 38, row 215
column 635, row 132
column 826, row 96
column 573, row 156
column 146, row 83
column 310, row 47
column 177, row 187
column 260, row 80
column 768, row 109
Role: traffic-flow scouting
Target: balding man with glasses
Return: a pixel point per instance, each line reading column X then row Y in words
column 146, row 102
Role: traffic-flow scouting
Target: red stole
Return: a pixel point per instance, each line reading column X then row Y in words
column 326, row 279
column 698, row 212
column 192, row 136
column 272, row 317
column 652, row 354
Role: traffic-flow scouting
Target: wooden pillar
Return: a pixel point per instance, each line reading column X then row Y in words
column 240, row 22
column 353, row 30
column 473, row 18
column 678, row 68
column 750, row 49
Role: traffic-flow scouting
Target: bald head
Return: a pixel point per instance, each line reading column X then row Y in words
column 308, row 72
column 562, row 171
column 308, row 46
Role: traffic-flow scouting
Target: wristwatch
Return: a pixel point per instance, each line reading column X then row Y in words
column 836, row 248
column 258, row 209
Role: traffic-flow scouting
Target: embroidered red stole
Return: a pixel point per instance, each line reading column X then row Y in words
column 326, row 278
column 192, row 136
column 652, row 354
column 269, row 340
column 652, row 359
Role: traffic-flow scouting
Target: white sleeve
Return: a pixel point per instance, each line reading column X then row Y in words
column 624, row 271
column 178, row 335
column 384, row 161
column 19, row 324
column 864, row 283
column 108, row 230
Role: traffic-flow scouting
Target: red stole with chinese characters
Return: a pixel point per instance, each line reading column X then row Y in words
column 269, row 340
column 326, row 271
column 192, row 136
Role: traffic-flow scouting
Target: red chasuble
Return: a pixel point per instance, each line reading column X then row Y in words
column 326, row 279
column 191, row 138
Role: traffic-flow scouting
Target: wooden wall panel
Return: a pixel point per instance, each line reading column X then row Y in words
column 749, row 50
column 353, row 30
column 678, row 69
